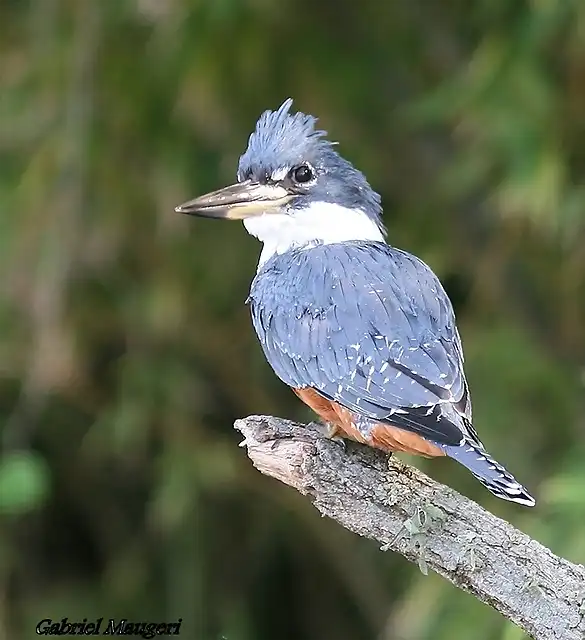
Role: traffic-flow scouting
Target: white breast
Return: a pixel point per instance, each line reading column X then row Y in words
column 320, row 223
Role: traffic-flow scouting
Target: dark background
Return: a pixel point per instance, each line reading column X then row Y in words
column 126, row 350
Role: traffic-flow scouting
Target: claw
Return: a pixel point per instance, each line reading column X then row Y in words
column 329, row 431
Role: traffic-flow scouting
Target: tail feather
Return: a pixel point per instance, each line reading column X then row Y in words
column 489, row 472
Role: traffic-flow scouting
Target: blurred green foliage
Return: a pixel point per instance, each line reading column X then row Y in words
column 126, row 350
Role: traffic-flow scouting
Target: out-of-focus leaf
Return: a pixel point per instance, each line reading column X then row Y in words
column 124, row 337
column 24, row 482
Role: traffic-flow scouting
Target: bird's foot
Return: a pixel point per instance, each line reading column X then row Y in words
column 330, row 431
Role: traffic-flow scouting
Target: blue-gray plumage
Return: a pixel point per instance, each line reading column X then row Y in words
column 285, row 140
column 373, row 330
column 362, row 331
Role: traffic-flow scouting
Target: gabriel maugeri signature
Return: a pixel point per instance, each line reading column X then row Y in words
column 111, row 627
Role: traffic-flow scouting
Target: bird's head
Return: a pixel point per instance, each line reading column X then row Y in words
column 294, row 189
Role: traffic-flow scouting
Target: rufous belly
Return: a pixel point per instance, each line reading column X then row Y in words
column 382, row 436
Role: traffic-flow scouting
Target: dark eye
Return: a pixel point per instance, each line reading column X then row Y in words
column 302, row 174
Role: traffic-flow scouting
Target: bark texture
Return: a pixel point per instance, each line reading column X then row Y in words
column 428, row 523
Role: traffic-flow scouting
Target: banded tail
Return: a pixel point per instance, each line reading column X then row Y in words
column 489, row 472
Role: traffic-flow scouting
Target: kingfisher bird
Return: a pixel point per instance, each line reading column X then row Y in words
column 362, row 332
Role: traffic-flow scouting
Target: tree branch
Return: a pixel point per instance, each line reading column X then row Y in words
column 426, row 522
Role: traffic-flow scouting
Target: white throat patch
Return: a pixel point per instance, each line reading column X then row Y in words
column 319, row 223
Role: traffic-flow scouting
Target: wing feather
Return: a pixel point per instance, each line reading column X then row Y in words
column 369, row 326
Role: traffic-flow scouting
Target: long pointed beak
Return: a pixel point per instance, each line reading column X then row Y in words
column 238, row 201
